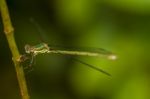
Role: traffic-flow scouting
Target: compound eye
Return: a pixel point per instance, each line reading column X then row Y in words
column 27, row 48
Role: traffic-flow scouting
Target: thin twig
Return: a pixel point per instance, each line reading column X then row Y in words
column 9, row 32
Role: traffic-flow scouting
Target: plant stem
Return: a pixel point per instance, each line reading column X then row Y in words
column 9, row 32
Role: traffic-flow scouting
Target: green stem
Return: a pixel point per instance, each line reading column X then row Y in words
column 9, row 32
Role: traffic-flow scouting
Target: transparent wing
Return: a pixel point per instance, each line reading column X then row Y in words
column 89, row 65
column 97, row 51
column 61, row 49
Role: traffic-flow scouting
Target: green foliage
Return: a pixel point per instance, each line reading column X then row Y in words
column 121, row 26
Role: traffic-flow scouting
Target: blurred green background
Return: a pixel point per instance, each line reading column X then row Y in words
column 121, row 26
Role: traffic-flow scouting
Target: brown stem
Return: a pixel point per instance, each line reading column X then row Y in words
column 9, row 32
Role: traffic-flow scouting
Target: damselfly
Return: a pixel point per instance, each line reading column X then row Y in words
column 43, row 48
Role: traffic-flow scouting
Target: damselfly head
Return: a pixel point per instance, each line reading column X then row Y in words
column 28, row 49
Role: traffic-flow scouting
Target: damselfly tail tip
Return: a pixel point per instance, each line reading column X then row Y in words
column 112, row 57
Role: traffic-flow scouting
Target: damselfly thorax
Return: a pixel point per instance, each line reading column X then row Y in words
column 40, row 48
